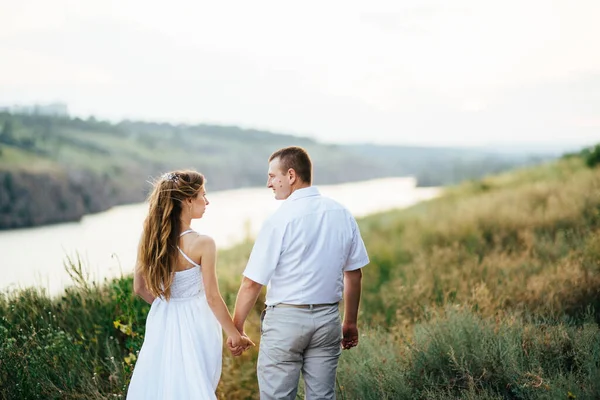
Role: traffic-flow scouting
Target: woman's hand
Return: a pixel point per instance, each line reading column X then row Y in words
column 238, row 344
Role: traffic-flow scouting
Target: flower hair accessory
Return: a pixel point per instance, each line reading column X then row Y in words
column 169, row 176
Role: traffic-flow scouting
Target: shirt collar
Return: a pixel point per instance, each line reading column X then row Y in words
column 304, row 192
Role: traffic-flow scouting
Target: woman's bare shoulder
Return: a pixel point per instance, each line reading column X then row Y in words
column 202, row 243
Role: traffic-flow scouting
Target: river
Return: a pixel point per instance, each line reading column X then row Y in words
column 106, row 242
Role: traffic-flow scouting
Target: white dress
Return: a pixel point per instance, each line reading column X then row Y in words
column 181, row 355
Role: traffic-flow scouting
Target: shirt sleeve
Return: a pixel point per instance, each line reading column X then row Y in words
column 358, row 257
column 265, row 254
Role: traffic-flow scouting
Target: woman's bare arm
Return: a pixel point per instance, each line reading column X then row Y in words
column 139, row 286
column 206, row 246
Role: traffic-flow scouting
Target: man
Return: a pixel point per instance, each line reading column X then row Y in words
column 308, row 252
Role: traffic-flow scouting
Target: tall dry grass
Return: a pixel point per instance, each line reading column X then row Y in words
column 490, row 292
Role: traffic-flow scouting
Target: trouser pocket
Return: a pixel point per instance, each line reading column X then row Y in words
column 262, row 318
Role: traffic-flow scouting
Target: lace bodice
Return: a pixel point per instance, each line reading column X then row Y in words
column 187, row 283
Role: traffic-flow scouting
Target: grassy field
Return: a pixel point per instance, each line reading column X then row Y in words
column 489, row 292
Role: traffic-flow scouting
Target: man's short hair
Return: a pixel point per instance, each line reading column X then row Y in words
column 296, row 158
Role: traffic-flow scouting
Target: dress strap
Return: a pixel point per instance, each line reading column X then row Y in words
column 187, row 257
column 181, row 251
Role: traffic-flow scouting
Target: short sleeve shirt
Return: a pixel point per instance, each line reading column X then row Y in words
column 303, row 249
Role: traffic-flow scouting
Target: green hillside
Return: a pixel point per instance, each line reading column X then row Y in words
column 58, row 169
column 55, row 169
column 136, row 149
column 491, row 291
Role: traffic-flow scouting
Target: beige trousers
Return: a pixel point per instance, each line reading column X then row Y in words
column 297, row 340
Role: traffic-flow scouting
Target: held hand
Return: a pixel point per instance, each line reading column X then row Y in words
column 238, row 344
column 234, row 345
column 247, row 342
column 350, row 336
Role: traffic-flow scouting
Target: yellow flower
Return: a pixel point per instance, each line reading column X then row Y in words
column 126, row 329
column 130, row 358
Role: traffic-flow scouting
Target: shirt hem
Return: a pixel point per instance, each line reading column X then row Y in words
column 357, row 265
column 251, row 277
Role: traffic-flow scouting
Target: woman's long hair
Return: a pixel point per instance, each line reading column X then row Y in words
column 157, row 253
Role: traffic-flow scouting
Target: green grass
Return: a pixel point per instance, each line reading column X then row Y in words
column 12, row 157
column 489, row 292
column 455, row 353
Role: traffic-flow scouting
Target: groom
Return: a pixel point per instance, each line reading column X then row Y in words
column 308, row 252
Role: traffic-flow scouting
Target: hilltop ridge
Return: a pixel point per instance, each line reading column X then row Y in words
column 57, row 168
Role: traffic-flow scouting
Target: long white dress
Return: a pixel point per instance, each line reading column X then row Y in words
column 181, row 356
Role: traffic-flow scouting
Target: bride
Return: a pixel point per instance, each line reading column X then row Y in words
column 176, row 272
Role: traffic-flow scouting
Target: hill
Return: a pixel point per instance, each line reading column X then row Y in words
column 56, row 168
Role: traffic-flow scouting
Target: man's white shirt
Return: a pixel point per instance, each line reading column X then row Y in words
column 303, row 249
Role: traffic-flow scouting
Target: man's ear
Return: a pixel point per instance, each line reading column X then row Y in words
column 293, row 177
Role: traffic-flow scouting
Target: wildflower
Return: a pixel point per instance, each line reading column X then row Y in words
column 130, row 358
column 125, row 328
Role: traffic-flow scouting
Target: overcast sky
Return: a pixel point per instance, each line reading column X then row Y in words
column 423, row 72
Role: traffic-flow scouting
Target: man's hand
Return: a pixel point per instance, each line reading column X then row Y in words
column 352, row 286
column 350, row 336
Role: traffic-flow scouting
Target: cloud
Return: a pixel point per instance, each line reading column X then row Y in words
column 387, row 71
column 37, row 70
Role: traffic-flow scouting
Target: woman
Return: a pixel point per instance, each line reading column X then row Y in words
column 175, row 272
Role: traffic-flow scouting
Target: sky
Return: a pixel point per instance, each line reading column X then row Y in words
column 415, row 72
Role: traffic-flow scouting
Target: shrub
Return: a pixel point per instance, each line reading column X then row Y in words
column 592, row 156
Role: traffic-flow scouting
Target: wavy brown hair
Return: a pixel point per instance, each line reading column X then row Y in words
column 157, row 252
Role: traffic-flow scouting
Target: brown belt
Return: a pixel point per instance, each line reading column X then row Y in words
column 305, row 306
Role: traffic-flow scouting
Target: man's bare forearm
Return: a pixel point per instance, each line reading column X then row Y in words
column 352, row 288
column 246, row 299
